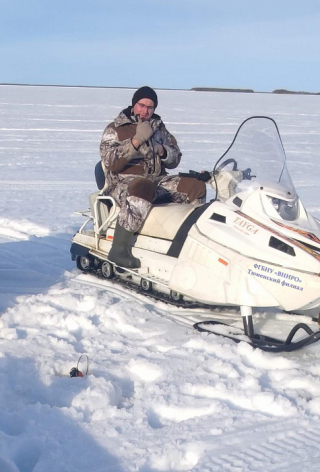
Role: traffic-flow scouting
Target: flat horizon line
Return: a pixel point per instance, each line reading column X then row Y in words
column 193, row 89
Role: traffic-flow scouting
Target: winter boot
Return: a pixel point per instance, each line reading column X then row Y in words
column 120, row 252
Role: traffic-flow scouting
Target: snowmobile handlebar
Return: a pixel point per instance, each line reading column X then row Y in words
column 205, row 176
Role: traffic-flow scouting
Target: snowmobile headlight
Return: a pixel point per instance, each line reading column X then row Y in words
column 288, row 211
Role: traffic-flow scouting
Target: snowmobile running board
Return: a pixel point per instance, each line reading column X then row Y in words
column 265, row 343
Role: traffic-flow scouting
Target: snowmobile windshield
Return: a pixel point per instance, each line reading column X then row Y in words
column 257, row 146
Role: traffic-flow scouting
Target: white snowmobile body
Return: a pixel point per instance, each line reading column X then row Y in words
column 253, row 246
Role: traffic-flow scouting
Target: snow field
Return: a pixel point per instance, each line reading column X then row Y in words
column 158, row 396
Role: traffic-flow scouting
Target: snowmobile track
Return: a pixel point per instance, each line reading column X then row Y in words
column 185, row 314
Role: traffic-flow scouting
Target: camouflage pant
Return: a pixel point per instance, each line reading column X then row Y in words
column 135, row 196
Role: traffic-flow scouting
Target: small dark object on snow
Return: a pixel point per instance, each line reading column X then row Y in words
column 74, row 372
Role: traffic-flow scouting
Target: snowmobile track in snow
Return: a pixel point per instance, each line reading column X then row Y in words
column 268, row 447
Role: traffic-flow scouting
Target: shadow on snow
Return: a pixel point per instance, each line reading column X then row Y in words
column 32, row 267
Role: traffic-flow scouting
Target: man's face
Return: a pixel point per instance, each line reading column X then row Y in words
column 144, row 108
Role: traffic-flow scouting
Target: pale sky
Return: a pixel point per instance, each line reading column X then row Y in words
column 255, row 44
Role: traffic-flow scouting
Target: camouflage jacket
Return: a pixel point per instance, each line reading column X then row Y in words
column 120, row 158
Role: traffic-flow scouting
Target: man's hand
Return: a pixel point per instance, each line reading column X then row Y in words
column 144, row 131
column 159, row 150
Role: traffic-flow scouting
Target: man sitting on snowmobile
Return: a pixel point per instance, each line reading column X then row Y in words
column 136, row 149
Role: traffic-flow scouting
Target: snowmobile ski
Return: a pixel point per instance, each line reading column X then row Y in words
column 265, row 343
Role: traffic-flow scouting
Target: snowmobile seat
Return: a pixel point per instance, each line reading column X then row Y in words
column 164, row 219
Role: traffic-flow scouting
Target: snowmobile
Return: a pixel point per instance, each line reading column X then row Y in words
column 252, row 246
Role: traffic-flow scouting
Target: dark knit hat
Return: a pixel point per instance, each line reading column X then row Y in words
column 145, row 92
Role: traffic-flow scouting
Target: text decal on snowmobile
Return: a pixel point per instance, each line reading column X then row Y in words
column 246, row 226
column 281, row 275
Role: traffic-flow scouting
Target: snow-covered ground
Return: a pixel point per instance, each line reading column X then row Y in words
column 158, row 396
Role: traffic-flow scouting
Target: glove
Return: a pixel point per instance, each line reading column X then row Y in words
column 160, row 151
column 204, row 176
column 144, row 131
